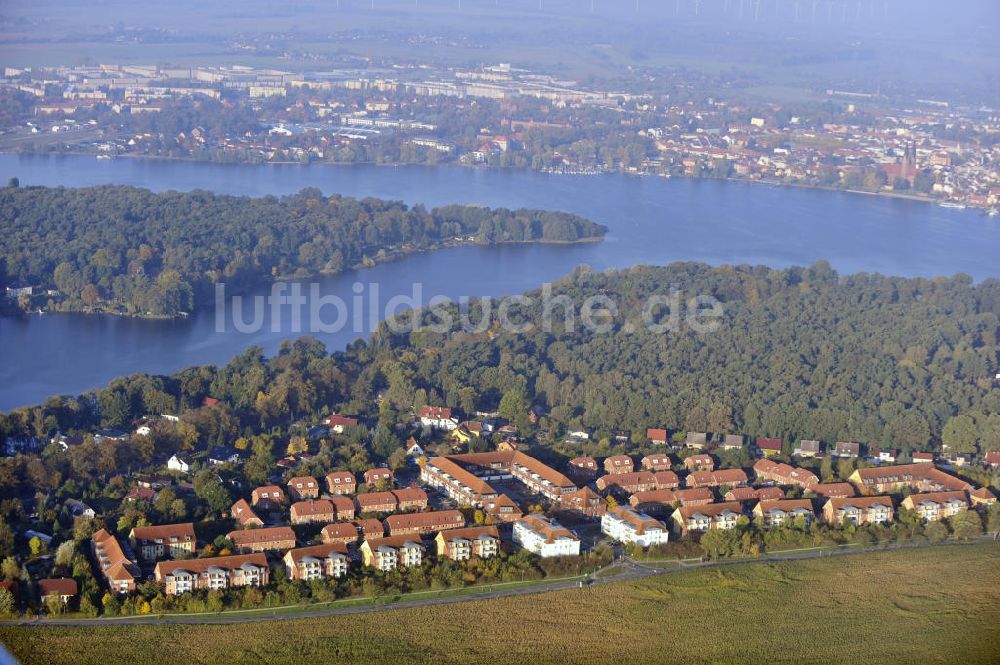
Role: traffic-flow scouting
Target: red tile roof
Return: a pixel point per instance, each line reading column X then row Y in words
column 64, row 586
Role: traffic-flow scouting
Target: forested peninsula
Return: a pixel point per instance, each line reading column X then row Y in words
column 131, row 251
column 802, row 353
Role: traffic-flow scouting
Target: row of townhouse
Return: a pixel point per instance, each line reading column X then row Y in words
column 302, row 488
column 407, row 550
column 918, row 477
column 638, row 481
column 212, row 573
column 775, row 512
column 780, row 473
column 338, row 508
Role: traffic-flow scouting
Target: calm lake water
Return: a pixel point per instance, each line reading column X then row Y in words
column 652, row 221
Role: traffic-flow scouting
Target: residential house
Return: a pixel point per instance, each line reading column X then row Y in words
column 833, row 490
column 381, row 475
column 696, row 440
column 313, row 510
column 582, row 469
column 982, row 497
column 768, row 447
column 656, row 436
column 637, row 481
column 502, row 509
column 923, row 458
column 424, row 523
column 732, row 442
column 79, row 509
column 437, row 417
column 413, row 449
column 545, row 537
column 807, row 448
column 707, row 516
column 776, row 512
column 338, row 423
column 221, row 455
column 178, row 463
column 858, row 510
column 768, row 470
column 584, row 501
column 628, row 526
column 118, row 570
column 932, row 506
column 917, row 477
column 63, row 587
column 656, row 462
column 343, row 506
column 410, row 498
column 268, row 497
column 663, row 500
column 139, row 493
column 719, row 478
column 992, row 459
column 619, row 464
column 342, row 532
column 699, row 462
column 262, row 540
column 369, row 527
column 317, row 562
column 376, row 502
column 886, row 455
column 245, row 515
column 219, row 572
column 463, row 544
column 301, row 488
column 846, row 449
column 392, row 552
column 340, row 482
column 153, row 543
column 754, row 494
column 666, row 480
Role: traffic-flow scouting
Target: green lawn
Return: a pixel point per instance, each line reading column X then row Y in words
column 930, row 605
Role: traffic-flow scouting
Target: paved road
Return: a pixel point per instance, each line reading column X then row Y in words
column 631, row 570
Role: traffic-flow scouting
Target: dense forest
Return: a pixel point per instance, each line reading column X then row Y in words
column 799, row 353
column 138, row 252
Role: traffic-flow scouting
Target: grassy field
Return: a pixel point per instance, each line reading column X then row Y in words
column 934, row 605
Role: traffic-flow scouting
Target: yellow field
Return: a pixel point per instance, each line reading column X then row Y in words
column 931, row 605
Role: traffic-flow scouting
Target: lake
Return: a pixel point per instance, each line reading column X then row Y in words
column 651, row 221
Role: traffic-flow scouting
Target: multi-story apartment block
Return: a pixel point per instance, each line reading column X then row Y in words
column 152, row 543
column 628, row 526
column 776, row 512
column 463, row 544
column 859, row 510
column 212, row 573
column 709, row 516
column 392, row 552
column 545, row 537
column 933, row 506
column 317, row 562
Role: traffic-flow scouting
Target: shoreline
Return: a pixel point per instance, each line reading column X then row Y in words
column 775, row 183
column 369, row 262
